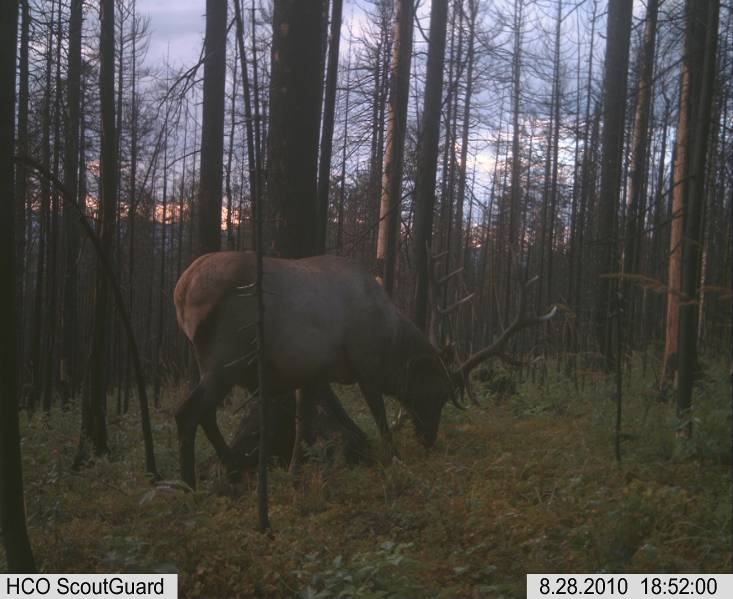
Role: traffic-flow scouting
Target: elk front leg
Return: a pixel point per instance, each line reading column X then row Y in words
column 357, row 442
column 376, row 406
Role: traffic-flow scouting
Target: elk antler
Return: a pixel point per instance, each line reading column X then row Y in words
column 439, row 312
column 522, row 321
column 443, row 313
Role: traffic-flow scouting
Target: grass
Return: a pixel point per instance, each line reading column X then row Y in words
column 523, row 483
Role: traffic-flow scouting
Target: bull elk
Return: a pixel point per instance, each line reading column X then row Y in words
column 326, row 320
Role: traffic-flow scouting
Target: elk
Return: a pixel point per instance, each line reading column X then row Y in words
column 326, row 320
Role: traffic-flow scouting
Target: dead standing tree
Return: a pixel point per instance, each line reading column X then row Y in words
column 212, row 127
column 399, row 87
column 428, row 159
column 12, row 507
column 707, row 15
column 614, row 109
column 93, row 425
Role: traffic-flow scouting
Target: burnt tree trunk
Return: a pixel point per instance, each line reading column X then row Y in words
column 706, row 16
column 690, row 82
column 399, row 87
column 21, row 182
column 12, row 507
column 94, row 426
column 69, row 368
column 294, row 122
column 329, row 109
column 427, row 160
column 212, row 127
column 514, row 196
column 614, row 108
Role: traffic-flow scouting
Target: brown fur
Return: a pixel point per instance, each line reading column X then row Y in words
column 326, row 320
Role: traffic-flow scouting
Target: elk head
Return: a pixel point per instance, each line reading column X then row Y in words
column 426, row 387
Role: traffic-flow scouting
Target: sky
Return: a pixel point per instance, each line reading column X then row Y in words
column 177, row 29
column 176, row 26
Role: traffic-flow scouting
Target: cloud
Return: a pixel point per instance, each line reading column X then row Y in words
column 177, row 27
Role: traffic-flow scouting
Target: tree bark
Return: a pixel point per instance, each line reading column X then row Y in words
column 427, row 160
column 38, row 320
column 253, row 164
column 21, row 182
column 12, row 507
column 462, row 176
column 614, row 108
column 556, row 98
column 329, row 109
column 342, row 181
column 69, row 349
column 705, row 15
column 294, row 122
column 212, row 127
column 391, row 199
column 512, row 245
column 688, row 103
column 639, row 144
column 94, row 426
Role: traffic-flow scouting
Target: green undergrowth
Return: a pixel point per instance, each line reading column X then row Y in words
column 524, row 482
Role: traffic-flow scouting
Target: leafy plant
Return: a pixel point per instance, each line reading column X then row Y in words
column 378, row 574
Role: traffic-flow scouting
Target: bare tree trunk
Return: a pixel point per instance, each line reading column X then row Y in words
column 575, row 299
column 556, row 98
column 157, row 365
column 473, row 6
column 253, row 163
column 132, row 198
column 639, row 144
column 342, row 176
column 445, row 198
column 614, row 107
column 329, row 109
column 448, row 195
column 427, row 160
column 705, row 16
column 655, row 256
column 515, row 194
column 399, row 89
column 12, row 507
column 688, row 103
column 294, row 122
column 212, row 127
column 94, row 404
column 69, row 349
column 21, row 185
column 52, row 247
column 38, row 321
column 230, row 153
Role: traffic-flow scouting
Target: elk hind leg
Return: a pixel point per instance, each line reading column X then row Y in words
column 192, row 412
column 213, row 434
column 301, row 398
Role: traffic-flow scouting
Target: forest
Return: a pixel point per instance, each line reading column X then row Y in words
column 510, row 219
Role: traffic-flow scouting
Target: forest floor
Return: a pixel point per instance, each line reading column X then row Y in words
column 527, row 482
